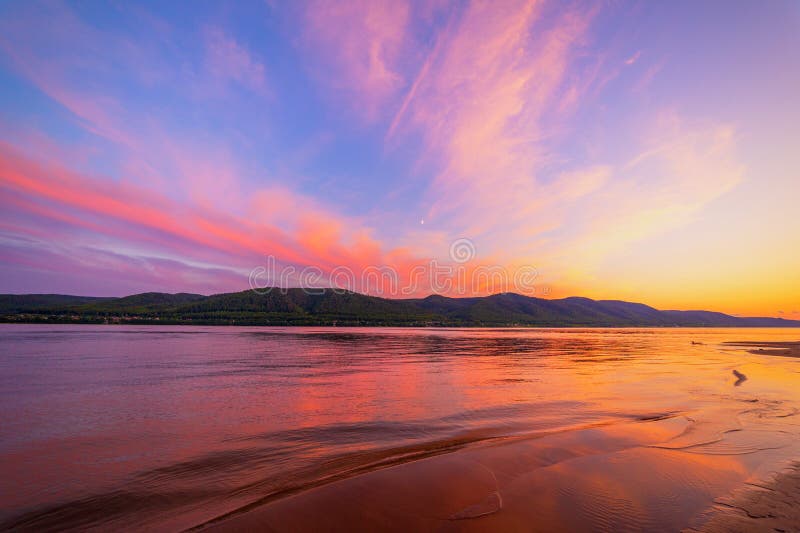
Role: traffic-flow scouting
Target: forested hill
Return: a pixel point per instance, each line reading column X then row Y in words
column 329, row 307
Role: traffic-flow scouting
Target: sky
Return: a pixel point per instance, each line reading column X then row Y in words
column 644, row 151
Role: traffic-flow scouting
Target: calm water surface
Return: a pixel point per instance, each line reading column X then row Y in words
column 168, row 427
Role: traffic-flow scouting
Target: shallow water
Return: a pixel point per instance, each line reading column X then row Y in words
column 169, row 427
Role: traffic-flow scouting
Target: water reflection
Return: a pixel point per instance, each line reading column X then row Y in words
column 171, row 426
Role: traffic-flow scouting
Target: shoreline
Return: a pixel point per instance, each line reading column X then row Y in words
column 407, row 326
column 298, row 306
column 475, row 489
column 617, row 477
column 774, row 348
column 347, row 504
column 770, row 506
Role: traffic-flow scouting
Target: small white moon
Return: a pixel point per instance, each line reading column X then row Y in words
column 422, row 221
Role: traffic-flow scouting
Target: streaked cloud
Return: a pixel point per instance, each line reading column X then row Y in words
column 357, row 49
column 634, row 58
column 229, row 60
column 185, row 146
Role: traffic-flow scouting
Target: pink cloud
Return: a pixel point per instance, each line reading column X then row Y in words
column 634, row 58
column 142, row 209
column 360, row 46
column 59, row 223
column 59, row 62
column 46, row 203
column 647, row 77
column 482, row 107
column 492, row 98
column 228, row 60
column 489, row 97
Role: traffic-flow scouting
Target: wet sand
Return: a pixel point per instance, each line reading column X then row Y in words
column 664, row 472
column 611, row 478
column 784, row 349
column 772, row 506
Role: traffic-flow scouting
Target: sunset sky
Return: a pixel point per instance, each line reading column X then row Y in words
column 645, row 151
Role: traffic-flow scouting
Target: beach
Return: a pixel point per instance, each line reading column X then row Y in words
column 773, row 505
column 551, row 483
column 397, row 496
column 621, row 478
column 338, row 429
column 783, row 349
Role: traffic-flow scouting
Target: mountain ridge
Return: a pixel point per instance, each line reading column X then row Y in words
column 332, row 307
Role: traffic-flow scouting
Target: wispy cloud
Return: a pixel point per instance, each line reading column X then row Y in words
column 93, row 212
column 359, row 48
column 483, row 109
column 634, row 58
column 550, row 134
column 228, row 60
column 492, row 103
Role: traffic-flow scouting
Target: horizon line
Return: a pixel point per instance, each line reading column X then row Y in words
column 313, row 290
